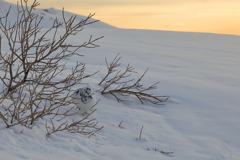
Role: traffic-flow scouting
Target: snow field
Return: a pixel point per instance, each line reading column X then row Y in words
column 200, row 73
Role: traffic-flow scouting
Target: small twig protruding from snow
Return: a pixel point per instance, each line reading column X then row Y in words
column 164, row 152
column 140, row 135
column 120, row 124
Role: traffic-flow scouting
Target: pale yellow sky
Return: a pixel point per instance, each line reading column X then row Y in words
column 213, row 16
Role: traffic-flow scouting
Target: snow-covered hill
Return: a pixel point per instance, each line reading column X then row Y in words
column 200, row 73
column 48, row 15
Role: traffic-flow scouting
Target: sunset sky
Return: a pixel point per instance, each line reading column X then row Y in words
column 214, row 16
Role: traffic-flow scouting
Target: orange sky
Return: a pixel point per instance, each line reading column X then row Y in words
column 213, row 16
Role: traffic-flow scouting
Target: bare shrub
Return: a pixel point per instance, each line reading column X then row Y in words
column 118, row 85
column 29, row 72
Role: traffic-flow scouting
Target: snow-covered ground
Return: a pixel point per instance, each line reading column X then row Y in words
column 201, row 74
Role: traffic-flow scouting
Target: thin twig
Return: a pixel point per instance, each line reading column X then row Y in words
column 120, row 124
column 140, row 135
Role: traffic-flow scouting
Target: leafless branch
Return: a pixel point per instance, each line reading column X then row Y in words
column 74, row 127
column 123, row 88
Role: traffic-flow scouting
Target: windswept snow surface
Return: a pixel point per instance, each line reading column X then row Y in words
column 200, row 73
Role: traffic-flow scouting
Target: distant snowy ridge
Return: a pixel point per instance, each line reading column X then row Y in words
column 48, row 15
